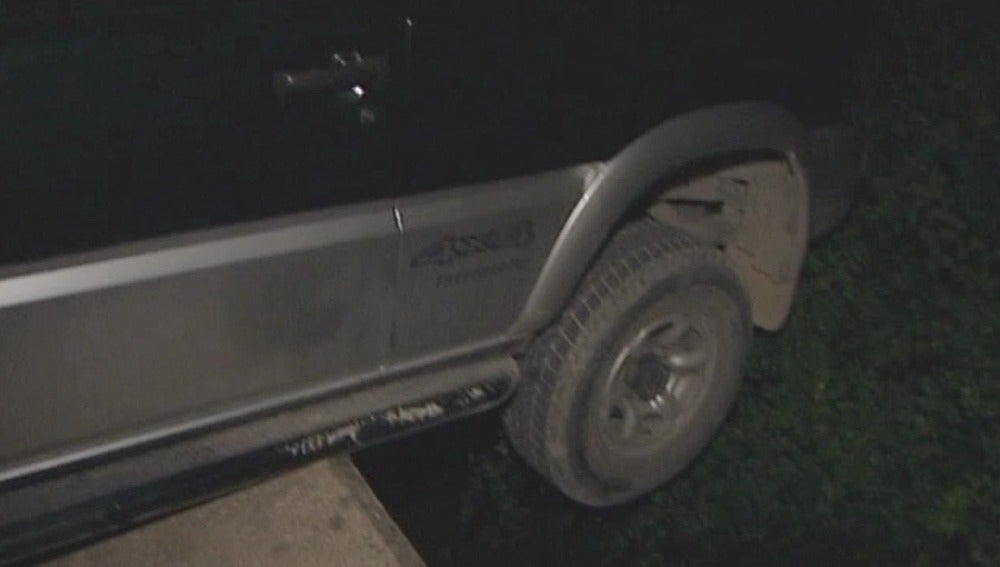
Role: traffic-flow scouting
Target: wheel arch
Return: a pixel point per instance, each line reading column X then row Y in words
column 740, row 133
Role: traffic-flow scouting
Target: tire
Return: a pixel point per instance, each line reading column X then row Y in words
column 638, row 373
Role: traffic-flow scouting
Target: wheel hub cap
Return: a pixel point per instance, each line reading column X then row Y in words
column 654, row 382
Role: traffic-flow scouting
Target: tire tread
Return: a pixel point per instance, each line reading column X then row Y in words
column 634, row 246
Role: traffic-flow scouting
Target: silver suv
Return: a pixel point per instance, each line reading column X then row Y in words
column 607, row 303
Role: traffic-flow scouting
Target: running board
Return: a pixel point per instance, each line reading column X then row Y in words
column 56, row 510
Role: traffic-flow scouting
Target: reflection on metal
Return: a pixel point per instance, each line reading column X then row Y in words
column 347, row 71
column 130, row 268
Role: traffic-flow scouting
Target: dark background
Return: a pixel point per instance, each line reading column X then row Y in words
column 127, row 119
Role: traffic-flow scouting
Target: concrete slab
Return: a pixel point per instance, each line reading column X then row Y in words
column 323, row 515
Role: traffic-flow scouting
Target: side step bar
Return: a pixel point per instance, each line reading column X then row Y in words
column 42, row 516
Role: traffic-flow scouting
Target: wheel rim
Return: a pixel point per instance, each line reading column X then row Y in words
column 656, row 382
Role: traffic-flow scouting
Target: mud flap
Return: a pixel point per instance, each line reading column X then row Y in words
column 832, row 168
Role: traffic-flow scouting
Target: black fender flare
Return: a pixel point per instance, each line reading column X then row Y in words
column 628, row 176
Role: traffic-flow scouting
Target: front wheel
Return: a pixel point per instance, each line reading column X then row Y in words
column 632, row 381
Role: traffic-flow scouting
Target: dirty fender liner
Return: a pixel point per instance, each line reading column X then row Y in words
column 38, row 520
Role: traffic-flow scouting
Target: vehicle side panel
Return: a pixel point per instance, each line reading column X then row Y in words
column 189, row 331
column 470, row 256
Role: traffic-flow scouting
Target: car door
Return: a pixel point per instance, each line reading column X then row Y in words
column 145, row 120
